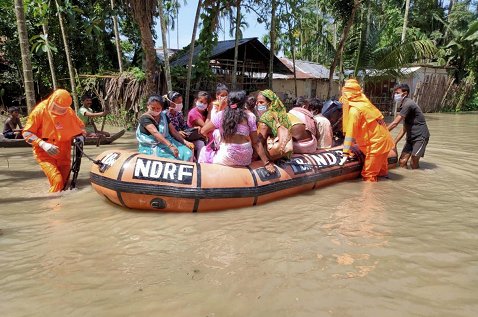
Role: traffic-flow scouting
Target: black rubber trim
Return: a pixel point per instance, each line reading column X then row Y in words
column 120, row 175
column 255, row 184
column 198, row 185
column 234, row 192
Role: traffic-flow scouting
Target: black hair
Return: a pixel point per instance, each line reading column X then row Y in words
column 300, row 101
column 403, row 87
column 86, row 96
column 204, row 94
column 234, row 116
column 251, row 104
column 170, row 97
column 221, row 87
column 156, row 98
column 13, row 109
column 315, row 105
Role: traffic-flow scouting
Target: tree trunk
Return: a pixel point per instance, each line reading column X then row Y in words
column 165, row 45
column 340, row 50
column 292, row 46
column 236, row 43
column 364, row 25
column 68, row 58
column 117, row 37
column 272, row 39
column 405, row 20
column 25, row 51
column 50, row 56
column 191, row 53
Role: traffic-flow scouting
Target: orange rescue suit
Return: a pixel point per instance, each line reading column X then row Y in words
column 58, row 130
column 363, row 124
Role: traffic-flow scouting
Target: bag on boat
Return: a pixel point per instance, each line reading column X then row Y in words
column 281, row 145
column 192, row 134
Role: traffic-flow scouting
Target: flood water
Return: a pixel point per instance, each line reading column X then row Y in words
column 407, row 246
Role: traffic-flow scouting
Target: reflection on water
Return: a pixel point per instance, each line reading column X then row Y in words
column 406, row 246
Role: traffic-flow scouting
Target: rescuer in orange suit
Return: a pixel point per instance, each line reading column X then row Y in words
column 50, row 129
column 363, row 124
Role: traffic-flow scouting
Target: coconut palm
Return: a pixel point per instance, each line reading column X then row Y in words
column 25, row 50
column 165, row 45
column 143, row 12
column 117, row 37
column 68, row 55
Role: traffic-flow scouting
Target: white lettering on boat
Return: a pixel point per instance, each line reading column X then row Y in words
column 108, row 161
column 161, row 171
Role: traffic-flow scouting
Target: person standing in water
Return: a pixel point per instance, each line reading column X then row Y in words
column 363, row 124
column 50, row 129
column 414, row 125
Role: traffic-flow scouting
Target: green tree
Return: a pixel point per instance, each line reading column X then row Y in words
column 25, row 49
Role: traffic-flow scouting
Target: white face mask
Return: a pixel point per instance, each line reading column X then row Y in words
column 398, row 97
column 179, row 107
column 201, row 106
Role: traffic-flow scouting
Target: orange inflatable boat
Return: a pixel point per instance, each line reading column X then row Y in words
column 141, row 181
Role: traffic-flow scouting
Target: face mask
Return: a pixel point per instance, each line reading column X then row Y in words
column 155, row 113
column 262, row 108
column 398, row 97
column 57, row 110
column 201, row 106
column 179, row 107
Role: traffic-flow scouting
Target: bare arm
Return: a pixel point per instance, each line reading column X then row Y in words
column 206, row 128
column 94, row 114
column 400, row 135
column 395, row 122
column 178, row 136
column 261, row 144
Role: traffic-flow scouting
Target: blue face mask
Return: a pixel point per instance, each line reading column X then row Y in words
column 398, row 97
column 201, row 106
column 261, row 108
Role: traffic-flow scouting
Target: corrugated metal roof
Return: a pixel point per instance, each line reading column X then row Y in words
column 305, row 70
column 225, row 49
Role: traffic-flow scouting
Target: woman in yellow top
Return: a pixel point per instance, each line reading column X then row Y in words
column 363, row 124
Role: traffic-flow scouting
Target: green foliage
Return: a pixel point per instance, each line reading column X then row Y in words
column 472, row 104
column 137, row 73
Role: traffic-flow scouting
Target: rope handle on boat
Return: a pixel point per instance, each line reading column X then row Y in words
column 97, row 162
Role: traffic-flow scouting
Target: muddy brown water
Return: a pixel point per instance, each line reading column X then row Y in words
column 407, row 246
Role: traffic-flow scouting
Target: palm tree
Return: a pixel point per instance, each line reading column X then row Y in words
column 340, row 49
column 25, row 51
column 165, row 45
column 236, row 43
column 117, row 37
column 405, row 20
column 142, row 12
column 272, row 41
column 68, row 56
column 43, row 43
column 191, row 54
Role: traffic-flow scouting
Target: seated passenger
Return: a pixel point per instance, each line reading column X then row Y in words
column 10, row 130
column 197, row 117
column 304, row 130
column 238, row 134
column 324, row 128
column 273, row 122
column 218, row 105
column 157, row 136
column 174, row 102
column 332, row 110
column 86, row 114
